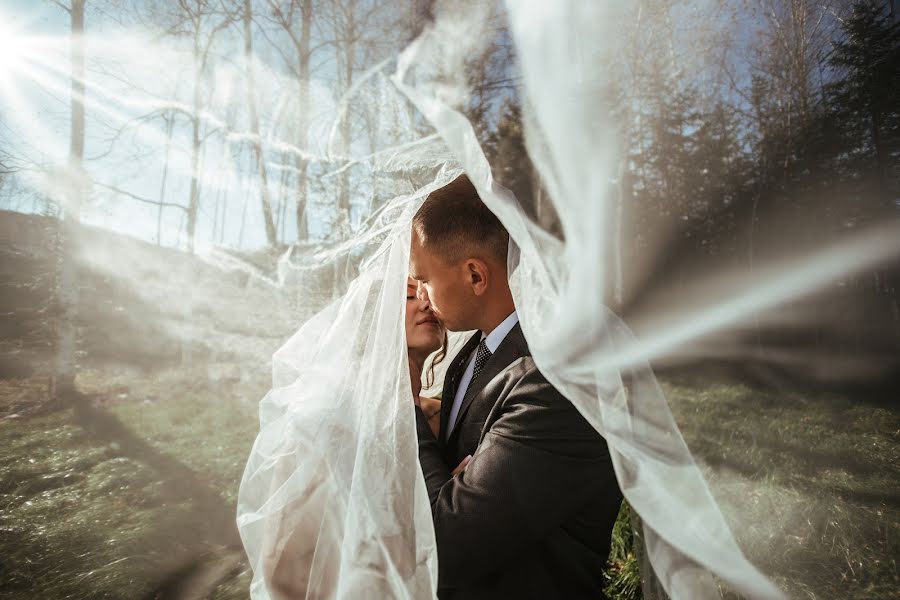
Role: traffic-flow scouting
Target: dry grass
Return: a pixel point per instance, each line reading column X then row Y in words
column 807, row 481
column 135, row 492
column 115, row 499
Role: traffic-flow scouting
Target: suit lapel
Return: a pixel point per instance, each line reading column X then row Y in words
column 511, row 348
column 451, row 381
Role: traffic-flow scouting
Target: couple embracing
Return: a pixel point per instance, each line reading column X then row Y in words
column 522, row 489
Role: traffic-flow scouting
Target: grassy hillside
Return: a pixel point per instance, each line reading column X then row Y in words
column 123, row 493
column 120, row 496
column 820, row 472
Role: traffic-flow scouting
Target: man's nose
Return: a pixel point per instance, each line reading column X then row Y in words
column 422, row 293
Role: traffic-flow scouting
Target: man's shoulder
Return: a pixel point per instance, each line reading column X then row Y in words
column 525, row 386
column 530, row 407
column 523, row 375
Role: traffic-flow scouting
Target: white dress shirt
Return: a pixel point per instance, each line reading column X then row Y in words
column 492, row 341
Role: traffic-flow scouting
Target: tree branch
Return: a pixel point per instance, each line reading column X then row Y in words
column 117, row 190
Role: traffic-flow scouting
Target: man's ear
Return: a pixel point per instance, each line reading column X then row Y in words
column 478, row 274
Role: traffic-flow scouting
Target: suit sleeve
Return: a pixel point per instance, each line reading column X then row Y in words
column 539, row 464
column 435, row 470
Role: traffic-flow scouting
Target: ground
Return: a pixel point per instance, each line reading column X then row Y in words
column 131, row 493
column 822, row 472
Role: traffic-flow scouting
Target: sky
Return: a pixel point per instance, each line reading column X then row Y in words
column 131, row 75
column 134, row 77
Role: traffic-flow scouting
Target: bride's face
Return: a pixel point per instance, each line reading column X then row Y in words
column 424, row 333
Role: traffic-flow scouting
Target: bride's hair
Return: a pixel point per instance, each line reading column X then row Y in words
column 441, row 355
column 453, row 222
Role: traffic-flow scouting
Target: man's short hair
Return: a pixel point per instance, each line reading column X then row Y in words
column 454, row 223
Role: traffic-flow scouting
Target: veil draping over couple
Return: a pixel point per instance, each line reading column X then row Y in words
column 549, row 414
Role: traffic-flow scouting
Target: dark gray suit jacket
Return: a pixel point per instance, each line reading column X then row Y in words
column 532, row 515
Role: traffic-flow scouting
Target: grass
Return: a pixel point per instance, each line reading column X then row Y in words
column 808, row 483
column 622, row 573
column 124, row 494
column 114, row 503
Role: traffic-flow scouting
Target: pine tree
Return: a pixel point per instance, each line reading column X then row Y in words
column 863, row 98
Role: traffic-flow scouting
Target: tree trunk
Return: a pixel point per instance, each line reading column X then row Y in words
column 170, row 122
column 194, row 199
column 303, row 56
column 215, row 223
column 271, row 233
column 880, row 153
column 283, row 198
column 63, row 380
column 346, row 132
column 221, row 238
column 243, row 222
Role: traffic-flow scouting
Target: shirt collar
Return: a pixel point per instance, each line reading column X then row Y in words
column 493, row 339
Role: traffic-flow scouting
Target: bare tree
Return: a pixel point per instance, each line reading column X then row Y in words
column 295, row 18
column 265, row 199
column 346, row 38
column 169, row 119
column 362, row 33
column 283, row 188
column 63, row 378
column 793, row 48
column 202, row 20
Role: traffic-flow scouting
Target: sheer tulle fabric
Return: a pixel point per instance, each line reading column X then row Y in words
column 332, row 503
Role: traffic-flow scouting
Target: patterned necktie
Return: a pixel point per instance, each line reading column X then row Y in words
column 480, row 358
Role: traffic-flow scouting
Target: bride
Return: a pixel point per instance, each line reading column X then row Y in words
column 300, row 529
column 425, row 335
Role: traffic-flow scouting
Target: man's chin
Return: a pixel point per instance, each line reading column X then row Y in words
column 444, row 323
column 450, row 325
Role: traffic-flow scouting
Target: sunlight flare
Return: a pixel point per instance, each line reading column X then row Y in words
column 14, row 50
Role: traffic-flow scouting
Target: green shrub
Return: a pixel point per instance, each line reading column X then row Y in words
column 622, row 576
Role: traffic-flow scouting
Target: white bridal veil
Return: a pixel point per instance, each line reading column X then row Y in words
column 332, row 503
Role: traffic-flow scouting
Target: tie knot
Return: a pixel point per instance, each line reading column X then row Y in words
column 481, row 357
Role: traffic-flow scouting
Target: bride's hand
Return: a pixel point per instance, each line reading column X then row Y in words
column 462, row 465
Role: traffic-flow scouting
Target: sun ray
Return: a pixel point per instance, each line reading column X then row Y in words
column 770, row 288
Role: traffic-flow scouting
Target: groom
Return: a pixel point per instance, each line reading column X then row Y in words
column 531, row 514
